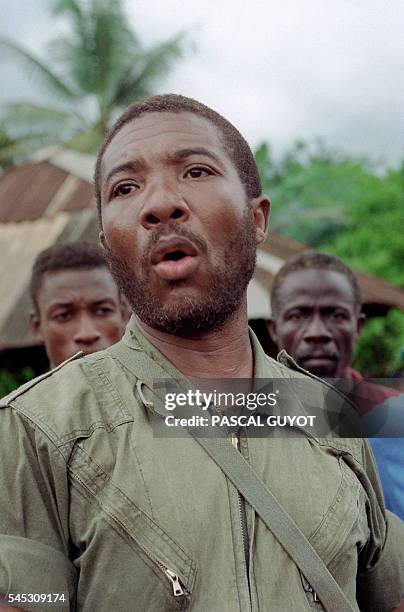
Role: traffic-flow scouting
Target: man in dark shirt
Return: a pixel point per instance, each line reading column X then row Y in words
column 316, row 318
column 77, row 305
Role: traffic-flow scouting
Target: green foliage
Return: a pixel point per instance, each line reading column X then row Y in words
column 15, row 148
column 373, row 240
column 338, row 204
column 10, row 381
column 380, row 348
column 341, row 205
column 92, row 73
column 312, row 189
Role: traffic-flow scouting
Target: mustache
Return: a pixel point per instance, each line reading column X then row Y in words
column 176, row 229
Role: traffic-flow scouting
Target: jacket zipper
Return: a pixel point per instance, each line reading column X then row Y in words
column 235, row 440
column 178, row 587
column 308, row 588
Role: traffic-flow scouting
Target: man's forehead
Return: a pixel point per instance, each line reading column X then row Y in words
column 317, row 284
column 161, row 133
column 82, row 280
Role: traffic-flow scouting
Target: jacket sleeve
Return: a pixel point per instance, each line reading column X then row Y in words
column 34, row 504
column 380, row 584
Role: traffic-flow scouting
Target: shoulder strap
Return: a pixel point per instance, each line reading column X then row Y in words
column 252, row 488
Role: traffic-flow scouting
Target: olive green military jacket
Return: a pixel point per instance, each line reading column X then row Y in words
column 98, row 514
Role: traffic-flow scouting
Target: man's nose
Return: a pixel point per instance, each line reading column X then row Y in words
column 86, row 332
column 317, row 330
column 163, row 204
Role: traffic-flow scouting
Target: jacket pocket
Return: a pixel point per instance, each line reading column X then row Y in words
column 336, row 536
column 118, row 544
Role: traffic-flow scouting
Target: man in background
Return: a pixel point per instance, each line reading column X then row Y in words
column 112, row 515
column 316, row 313
column 76, row 304
column 316, row 317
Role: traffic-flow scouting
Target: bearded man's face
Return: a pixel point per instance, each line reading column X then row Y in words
column 178, row 231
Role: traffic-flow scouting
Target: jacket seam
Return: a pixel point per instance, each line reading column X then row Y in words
column 107, row 382
column 34, row 425
column 177, row 549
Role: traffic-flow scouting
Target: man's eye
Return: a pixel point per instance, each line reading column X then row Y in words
column 123, row 189
column 198, row 172
column 103, row 310
column 339, row 316
column 294, row 316
column 62, row 316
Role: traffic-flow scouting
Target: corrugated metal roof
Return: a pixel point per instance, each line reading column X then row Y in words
column 277, row 249
column 50, row 200
column 35, row 190
column 26, row 191
column 20, row 243
column 72, row 162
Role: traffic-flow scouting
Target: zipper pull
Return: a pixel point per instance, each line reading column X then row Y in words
column 308, row 588
column 234, row 439
column 175, row 581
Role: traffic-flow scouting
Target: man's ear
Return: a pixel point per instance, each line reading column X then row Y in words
column 360, row 322
column 261, row 207
column 271, row 326
column 101, row 236
column 36, row 325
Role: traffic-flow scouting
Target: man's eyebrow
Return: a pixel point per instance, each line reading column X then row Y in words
column 300, row 308
column 131, row 166
column 331, row 307
column 60, row 304
column 103, row 300
column 182, row 154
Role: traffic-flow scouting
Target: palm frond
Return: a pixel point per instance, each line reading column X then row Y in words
column 70, row 7
column 101, row 67
column 147, row 68
column 19, row 114
column 96, row 52
column 38, row 69
column 15, row 149
column 87, row 141
column 49, row 125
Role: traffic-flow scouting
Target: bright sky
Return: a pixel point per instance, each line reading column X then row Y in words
column 280, row 71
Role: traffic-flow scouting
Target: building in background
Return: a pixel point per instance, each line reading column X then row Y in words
column 50, row 200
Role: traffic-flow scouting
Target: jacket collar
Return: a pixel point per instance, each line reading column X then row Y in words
column 265, row 369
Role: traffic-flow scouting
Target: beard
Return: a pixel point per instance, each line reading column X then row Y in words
column 190, row 314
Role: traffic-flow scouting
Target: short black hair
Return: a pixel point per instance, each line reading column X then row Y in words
column 234, row 143
column 313, row 260
column 67, row 256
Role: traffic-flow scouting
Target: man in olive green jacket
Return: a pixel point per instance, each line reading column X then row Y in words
column 101, row 507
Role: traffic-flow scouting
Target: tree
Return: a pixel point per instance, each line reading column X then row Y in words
column 93, row 72
column 380, row 348
column 338, row 204
column 312, row 188
column 341, row 205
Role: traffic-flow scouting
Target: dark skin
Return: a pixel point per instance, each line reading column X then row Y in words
column 207, row 205
column 317, row 321
column 78, row 310
column 196, row 189
column 318, row 316
column 166, row 168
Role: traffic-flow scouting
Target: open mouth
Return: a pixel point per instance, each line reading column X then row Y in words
column 174, row 258
column 174, row 255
